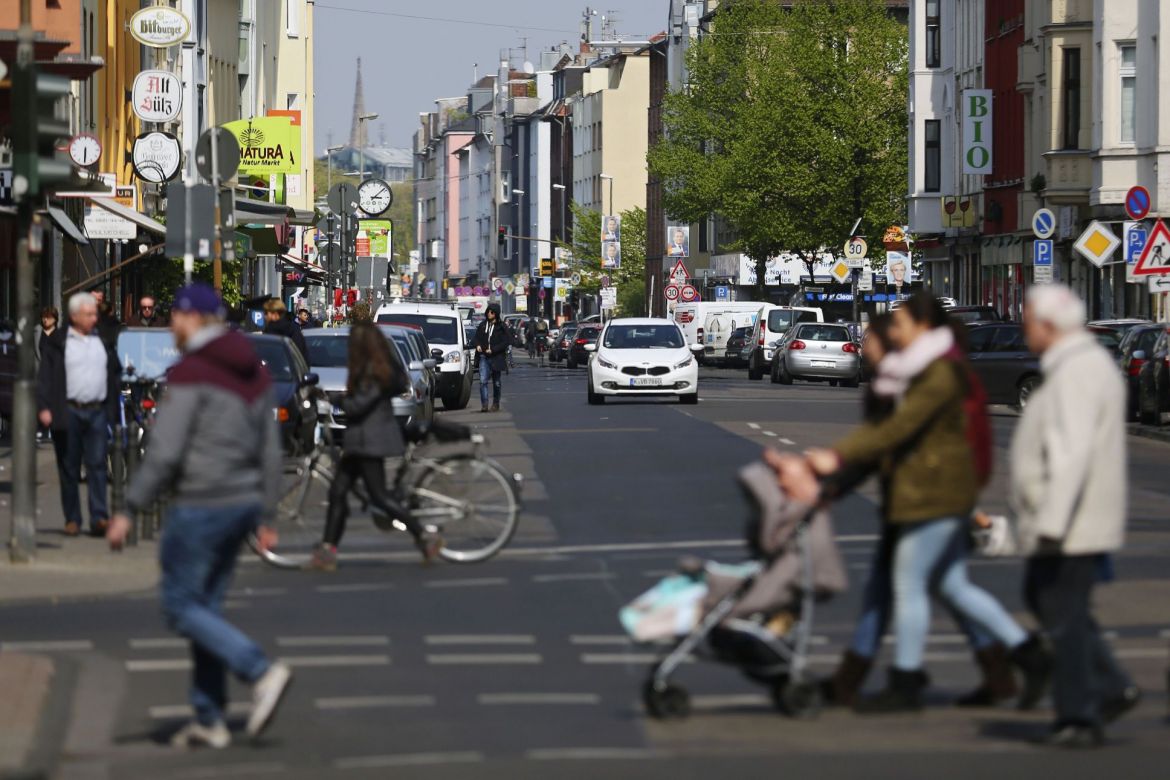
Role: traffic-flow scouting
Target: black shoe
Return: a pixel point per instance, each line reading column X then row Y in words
column 1074, row 737
column 903, row 693
column 842, row 688
column 496, row 406
column 485, row 409
column 1114, row 707
column 1034, row 661
column 998, row 684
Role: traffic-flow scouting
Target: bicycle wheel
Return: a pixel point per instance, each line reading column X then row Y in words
column 300, row 513
column 472, row 501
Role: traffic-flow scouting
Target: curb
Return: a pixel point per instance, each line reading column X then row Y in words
column 1151, row 432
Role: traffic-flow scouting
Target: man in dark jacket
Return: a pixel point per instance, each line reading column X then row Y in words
column 491, row 344
column 107, row 324
column 278, row 323
column 148, row 315
column 77, row 397
column 215, row 447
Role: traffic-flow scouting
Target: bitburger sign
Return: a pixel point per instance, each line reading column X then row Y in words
column 158, row 26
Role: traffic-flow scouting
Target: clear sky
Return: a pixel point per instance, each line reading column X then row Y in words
column 408, row 62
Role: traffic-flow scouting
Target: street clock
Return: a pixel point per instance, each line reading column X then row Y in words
column 85, row 150
column 374, row 197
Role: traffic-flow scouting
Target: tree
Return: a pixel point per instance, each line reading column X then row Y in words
column 586, row 248
column 793, row 126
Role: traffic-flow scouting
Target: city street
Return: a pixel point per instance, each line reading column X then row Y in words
column 519, row 667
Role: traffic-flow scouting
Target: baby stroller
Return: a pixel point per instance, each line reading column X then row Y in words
column 757, row 616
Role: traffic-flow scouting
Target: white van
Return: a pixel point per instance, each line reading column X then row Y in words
column 442, row 325
column 771, row 325
column 710, row 323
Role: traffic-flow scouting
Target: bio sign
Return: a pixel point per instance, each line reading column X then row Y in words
column 157, row 96
column 269, row 144
column 158, row 26
column 977, row 131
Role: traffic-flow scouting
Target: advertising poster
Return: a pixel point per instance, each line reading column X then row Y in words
column 611, row 255
column 374, row 237
column 678, row 241
column 611, row 228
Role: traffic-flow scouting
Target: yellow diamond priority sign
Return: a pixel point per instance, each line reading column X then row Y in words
column 1097, row 243
column 840, row 271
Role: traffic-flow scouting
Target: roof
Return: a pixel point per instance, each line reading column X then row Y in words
column 638, row 321
column 391, row 155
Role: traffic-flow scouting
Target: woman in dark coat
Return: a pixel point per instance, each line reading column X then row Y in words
column 491, row 345
column 372, row 434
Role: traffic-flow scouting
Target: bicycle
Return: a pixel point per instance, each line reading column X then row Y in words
column 467, row 497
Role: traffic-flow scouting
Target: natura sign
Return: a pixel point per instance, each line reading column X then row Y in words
column 977, row 131
column 158, row 26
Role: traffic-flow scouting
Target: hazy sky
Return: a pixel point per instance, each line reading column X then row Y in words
column 408, row 62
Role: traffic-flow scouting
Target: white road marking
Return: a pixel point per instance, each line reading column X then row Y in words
column 483, row 659
column 718, row 702
column 490, row 699
column 242, row 592
column 1143, row 652
column 769, row 433
column 355, row 587
column 408, row 759
column 249, row 769
column 373, row 702
column 754, row 426
column 657, row 574
column 332, row 641
column 296, row 661
column 176, row 711
column 593, row 754
column 159, row 665
column 600, row 575
column 624, row 658
column 468, row 583
column 789, row 442
column 48, row 646
column 600, row 639
column 481, row 639
column 159, row 643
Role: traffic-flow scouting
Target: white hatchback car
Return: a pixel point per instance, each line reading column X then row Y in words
column 643, row 357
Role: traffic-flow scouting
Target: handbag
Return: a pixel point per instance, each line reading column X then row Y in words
column 998, row 540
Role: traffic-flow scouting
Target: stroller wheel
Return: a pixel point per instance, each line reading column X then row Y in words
column 798, row 699
column 669, row 703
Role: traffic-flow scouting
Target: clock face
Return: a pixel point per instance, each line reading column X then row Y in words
column 374, row 197
column 85, row 150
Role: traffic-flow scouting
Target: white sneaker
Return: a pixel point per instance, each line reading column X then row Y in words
column 266, row 696
column 195, row 734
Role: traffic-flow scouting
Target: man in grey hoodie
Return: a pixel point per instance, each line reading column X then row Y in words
column 216, row 447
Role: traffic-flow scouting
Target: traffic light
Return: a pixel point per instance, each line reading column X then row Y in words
column 502, row 235
column 41, row 124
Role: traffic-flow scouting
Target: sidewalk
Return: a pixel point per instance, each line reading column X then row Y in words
column 65, row 568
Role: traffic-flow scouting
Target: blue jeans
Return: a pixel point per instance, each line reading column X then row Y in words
column 878, row 600
column 86, row 438
column 932, row 556
column 198, row 556
column 486, row 374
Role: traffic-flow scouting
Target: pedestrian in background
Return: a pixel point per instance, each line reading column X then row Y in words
column 278, row 323
column 77, row 396
column 215, row 448
column 491, row 344
column 305, row 319
column 1068, row 477
column 49, row 319
column 107, row 323
column 148, row 315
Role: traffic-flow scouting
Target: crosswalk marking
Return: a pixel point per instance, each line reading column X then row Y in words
column 176, row 711
column 481, row 639
column 594, row 754
column 491, row 659
column 373, row 702
column 538, row 698
column 332, row 641
column 468, row 583
column 408, row 759
column 159, row 643
column 48, row 646
column 600, row 575
column 295, row 661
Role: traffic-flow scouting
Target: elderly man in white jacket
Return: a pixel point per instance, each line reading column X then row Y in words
column 1068, row 462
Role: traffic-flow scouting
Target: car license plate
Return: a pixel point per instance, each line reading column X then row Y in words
column 824, row 364
column 336, row 409
column 646, row 381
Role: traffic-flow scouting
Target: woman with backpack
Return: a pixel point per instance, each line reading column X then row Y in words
column 930, row 461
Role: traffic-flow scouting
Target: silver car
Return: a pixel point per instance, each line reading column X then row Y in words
column 817, row 351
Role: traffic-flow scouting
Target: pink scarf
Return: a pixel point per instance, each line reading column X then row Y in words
column 898, row 369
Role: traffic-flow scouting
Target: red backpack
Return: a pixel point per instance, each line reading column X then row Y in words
column 979, row 435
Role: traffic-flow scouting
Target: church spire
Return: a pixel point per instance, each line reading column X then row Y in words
column 358, row 134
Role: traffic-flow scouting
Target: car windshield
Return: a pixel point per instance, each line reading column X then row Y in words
column 405, row 348
column 328, row 351
column 975, row 315
column 438, row 330
column 823, row 333
column 150, row 353
column 1107, row 338
column 780, row 320
column 275, row 357
column 643, row 337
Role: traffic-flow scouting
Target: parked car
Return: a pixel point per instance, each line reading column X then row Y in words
column 443, row 327
column 585, row 335
column 420, row 366
column 772, row 324
column 970, row 315
column 1001, row 360
column 559, row 349
column 817, row 351
column 1154, row 382
column 1110, row 333
column 1139, row 339
column 640, row 357
column 737, row 347
column 295, row 387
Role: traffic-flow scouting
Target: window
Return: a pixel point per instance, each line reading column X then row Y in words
column 292, row 101
column 1072, row 99
column 933, row 35
column 1128, row 73
column 932, row 156
column 292, row 18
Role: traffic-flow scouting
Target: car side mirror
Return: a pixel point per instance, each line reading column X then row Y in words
column 590, row 347
column 310, row 379
column 696, row 348
column 430, row 364
column 416, row 365
column 1138, row 354
column 437, row 354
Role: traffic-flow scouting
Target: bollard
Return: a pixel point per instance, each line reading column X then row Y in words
column 133, row 456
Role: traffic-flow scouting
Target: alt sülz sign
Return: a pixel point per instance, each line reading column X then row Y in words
column 157, row 96
column 269, row 144
column 159, row 26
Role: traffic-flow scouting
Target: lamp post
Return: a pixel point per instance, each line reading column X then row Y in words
column 610, row 179
column 564, row 211
column 362, row 119
column 329, row 165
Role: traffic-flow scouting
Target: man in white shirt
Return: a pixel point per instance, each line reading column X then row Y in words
column 77, row 392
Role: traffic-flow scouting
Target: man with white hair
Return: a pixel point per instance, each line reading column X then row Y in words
column 77, row 395
column 1068, row 462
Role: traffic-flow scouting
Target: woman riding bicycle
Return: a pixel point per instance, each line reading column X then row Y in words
column 372, row 434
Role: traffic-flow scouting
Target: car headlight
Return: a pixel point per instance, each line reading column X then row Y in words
column 454, row 357
column 683, row 364
column 606, row 364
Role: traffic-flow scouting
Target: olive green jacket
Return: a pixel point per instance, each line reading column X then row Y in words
column 921, row 450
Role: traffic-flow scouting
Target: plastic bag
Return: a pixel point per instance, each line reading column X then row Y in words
column 669, row 609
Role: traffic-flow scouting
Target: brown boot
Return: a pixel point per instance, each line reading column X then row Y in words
column 999, row 683
column 842, row 688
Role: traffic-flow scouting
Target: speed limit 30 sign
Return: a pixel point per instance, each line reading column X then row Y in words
column 672, row 292
column 855, row 252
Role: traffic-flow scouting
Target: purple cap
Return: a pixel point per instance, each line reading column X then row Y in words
column 199, row 297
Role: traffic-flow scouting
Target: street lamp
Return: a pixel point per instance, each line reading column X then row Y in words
column 329, row 164
column 362, row 119
column 564, row 208
column 610, row 178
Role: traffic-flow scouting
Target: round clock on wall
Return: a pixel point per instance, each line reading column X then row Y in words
column 85, row 150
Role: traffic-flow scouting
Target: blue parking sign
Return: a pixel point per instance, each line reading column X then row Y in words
column 722, row 293
column 1136, row 236
column 1042, row 252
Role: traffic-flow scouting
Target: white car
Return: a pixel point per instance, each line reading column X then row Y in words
column 643, row 357
column 442, row 324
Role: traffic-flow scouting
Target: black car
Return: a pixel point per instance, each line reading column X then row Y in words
column 1140, row 339
column 559, row 350
column 737, row 347
column 1154, row 381
column 586, row 334
column 1001, row 360
column 295, row 388
column 969, row 315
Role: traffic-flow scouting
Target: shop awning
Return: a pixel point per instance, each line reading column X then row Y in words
column 125, row 212
column 261, row 213
column 307, row 271
column 66, row 226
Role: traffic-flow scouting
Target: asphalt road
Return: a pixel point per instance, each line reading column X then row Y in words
column 518, row 667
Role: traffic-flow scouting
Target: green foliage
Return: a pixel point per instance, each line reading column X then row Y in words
column 360, row 312
column 586, row 249
column 401, row 212
column 793, row 126
column 321, row 178
column 163, row 276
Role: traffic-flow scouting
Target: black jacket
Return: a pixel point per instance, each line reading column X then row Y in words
column 289, row 329
column 51, row 379
column 497, row 345
column 371, row 429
